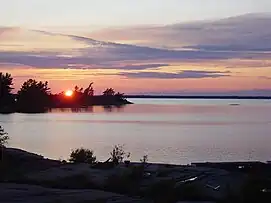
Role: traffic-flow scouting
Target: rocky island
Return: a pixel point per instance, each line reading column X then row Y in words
column 36, row 97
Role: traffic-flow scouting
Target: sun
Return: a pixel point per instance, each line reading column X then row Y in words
column 68, row 93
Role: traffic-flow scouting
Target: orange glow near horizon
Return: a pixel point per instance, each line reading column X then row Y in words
column 62, row 79
column 68, row 93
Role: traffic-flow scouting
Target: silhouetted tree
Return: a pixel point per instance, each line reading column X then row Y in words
column 3, row 137
column 119, row 96
column 82, row 156
column 144, row 159
column 118, row 154
column 78, row 90
column 89, row 91
column 6, row 81
column 77, row 95
column 33, row 96
column 109, row 92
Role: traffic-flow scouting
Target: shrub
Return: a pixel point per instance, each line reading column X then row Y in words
column 144, row 159
column 118, row 154
column 82, row 156
column 3, row 137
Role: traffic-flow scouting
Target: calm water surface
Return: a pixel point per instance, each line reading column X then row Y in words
column 168, row 130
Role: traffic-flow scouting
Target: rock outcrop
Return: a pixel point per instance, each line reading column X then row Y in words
column 21, row 193
column 27, row 177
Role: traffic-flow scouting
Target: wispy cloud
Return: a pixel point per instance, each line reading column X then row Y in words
column 186, row 74
column 242, row 33
column 179, row 51
column 108, row 57
column 116, row 66
column 233, row 38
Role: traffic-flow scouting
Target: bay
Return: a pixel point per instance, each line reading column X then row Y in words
column 178, row 131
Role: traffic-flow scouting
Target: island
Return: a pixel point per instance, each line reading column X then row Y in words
column 36, row 97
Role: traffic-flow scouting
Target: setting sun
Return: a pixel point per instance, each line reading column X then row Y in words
column 68, row 93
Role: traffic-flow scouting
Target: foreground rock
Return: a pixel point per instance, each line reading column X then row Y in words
column 153, row 181
column 30, row 177
column 19, row 193
column 72, row 176
column 15, row 163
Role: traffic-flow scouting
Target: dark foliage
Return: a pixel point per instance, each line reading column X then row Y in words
column 89, row 91
column 33, row 96
column 3, row 137
column 144, row 159
column 83, row 98
column 6, row 98
column 5, row 84
column 82, row 156
column 109, row 92
column 118, row 154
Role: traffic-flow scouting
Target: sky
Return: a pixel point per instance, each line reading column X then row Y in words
column 174, row 46
column 121, row 12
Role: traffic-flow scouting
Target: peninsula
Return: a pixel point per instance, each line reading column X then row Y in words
column 36, row 97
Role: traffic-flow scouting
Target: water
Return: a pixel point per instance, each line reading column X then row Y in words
column 167, row 130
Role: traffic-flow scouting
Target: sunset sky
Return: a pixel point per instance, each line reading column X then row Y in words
column 140, row 47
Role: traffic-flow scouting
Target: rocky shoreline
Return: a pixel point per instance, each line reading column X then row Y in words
column 28, row 177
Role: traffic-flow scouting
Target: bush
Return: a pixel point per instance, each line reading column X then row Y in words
column 144, row 159
column 118, row 154
column 3, row 137
column 82, row 156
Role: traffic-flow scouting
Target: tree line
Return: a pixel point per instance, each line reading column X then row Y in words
column 35, row 96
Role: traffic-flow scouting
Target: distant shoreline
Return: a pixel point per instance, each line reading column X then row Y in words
column 197, row 97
